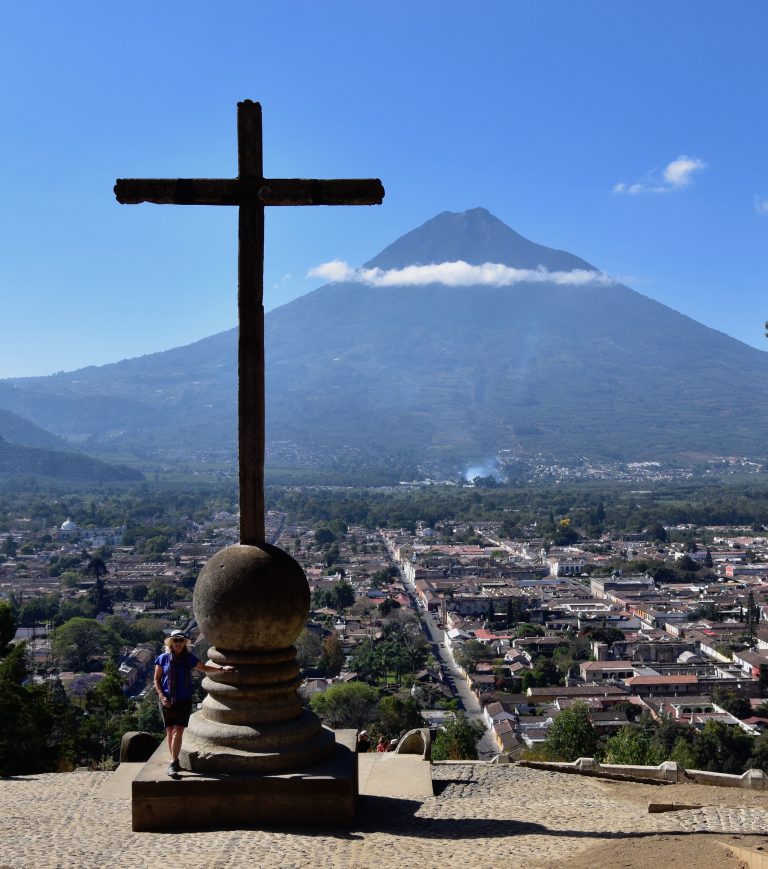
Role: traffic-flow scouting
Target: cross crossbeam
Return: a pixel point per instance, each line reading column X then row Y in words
column 250, row 192
column 236, row 191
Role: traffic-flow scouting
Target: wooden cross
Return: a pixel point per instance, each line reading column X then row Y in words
column 250, row 191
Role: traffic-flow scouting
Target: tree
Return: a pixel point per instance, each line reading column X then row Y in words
column 528, row 630
column 332, row 555
column 351, row 704
column 148, row 717
column 69, row 579
column 456, row 741
column 565, row 533
column 162, row 594
column 753, row 615
column 516, row 611
column 383, row 576
column 631, row 745
column 324, row 536
column 95, row 567
column 545, row 672
column 107, row 715
column 9, row 548
column 688, row 565
column 572, row 735
column 490, row 614
column 76, row 641
column 470, row 654
column 39, row 609
column 720, row 748
column 733, row 702
column 99, row 597
column 308, row 647
column 148, row 630
column 366, row 661
column 139, row 592
column 344, row 595
column 7, row 626
column 332, row 655
column 397, row 714
column 31, row 739
column 387, row 605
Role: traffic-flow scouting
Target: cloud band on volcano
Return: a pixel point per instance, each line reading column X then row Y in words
column 453, row 274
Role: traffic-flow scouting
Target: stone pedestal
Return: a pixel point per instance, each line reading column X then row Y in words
column 252, row 754
column 252, row 602
column 323, row 794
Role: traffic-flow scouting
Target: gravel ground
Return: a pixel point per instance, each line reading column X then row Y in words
column 481, row 816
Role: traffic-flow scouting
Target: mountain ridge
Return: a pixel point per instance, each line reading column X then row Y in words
column 436, row 373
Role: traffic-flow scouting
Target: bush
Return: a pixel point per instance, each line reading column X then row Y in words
column 572, row 735
column 457, row 741
column 346, row 705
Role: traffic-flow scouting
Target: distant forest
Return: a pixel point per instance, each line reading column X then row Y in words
column 521, row 510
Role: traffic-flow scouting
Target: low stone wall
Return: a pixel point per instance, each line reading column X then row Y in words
column 669, row 772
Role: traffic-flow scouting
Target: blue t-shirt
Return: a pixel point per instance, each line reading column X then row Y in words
column 177, row 674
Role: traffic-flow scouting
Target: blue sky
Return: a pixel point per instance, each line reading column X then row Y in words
column 631, row 134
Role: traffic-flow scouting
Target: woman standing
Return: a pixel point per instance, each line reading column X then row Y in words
column 173, row 683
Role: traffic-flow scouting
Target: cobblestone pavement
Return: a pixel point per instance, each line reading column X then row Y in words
column 481, row 816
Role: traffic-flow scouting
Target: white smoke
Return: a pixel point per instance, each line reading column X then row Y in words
column 454, row 274
column 486, row 468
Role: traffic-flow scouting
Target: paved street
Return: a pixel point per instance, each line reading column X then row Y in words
column 486, row 747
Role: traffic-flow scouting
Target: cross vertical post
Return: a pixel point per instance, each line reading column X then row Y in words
column 250, row 351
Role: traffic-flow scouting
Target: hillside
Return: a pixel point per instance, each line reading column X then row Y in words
column 20, row 462
column 373, row 372
column 17, row 430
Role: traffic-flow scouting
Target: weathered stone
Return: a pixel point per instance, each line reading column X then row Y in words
column 316, row 794
column 416, row 741
column 136, row 746
column 251, row 599
column 252, row 602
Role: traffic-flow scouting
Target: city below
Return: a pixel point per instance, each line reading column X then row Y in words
column 509, row 629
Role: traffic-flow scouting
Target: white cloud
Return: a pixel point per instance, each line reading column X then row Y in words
column 676, row 175
column 454, row 274
column 761, row 205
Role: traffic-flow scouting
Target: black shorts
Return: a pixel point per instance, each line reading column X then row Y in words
column 177, row 714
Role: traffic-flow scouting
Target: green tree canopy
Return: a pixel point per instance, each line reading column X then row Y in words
column 456, row 741
column 633, row 745
column 77, row 640
column 470, row 654
column 332, row 654
column 720, row 748
column 398, row 713
column 324, row 536
column 108, row 715
column 733, row 702
column 31, row 739
column 572, row 735
column 350, row 704
column 308, row 647
column 7, row 626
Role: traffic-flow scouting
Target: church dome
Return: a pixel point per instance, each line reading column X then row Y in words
column 69, row 525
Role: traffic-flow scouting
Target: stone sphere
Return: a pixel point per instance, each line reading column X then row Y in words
column 251, row 599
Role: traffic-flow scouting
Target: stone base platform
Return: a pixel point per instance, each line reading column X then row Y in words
column 321, row 795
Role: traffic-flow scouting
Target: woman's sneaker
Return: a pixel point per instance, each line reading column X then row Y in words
column 174, row 767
